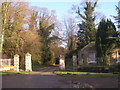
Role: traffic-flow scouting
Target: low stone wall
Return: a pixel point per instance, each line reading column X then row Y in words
column 6, row 64
column 6, row 68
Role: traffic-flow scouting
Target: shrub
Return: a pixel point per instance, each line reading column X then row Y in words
column 100, row 69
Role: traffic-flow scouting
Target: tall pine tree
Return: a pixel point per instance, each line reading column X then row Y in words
column 87, row 30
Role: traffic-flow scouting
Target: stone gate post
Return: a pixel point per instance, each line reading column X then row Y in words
column 62, row 62
column 16, row 62
column 28, row 63
column 74, row 63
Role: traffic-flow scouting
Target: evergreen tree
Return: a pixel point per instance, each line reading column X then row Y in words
column 117, row 18
column 45, row 32
column 106, row 40
column 87, row 30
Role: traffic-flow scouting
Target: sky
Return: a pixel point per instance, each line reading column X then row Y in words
column 62, row 8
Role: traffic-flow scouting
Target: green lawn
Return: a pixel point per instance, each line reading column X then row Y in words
column 84, row 74
column 12, row 72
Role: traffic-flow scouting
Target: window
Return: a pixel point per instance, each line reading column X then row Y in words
column 91, row 55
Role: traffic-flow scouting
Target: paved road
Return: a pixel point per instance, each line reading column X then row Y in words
column 44, row 78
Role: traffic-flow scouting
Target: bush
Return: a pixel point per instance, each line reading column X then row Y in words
column 115, row 68
column 100, row 69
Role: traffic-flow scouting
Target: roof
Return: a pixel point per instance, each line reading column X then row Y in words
column 91, row 45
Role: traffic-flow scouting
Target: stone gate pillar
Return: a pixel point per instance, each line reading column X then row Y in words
column 74, row 63
column 28, row 63
column 16, row 62
column 62, row 62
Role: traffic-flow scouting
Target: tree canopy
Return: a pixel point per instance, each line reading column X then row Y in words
column 87, row 29
column 106, row 41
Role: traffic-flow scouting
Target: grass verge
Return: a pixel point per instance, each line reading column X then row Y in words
column 84, row 74
column 12, row 73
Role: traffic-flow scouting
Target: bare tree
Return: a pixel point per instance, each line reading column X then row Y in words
column 71, row 28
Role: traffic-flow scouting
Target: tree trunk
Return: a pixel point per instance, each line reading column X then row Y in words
column 99, row 60
column 3, row 22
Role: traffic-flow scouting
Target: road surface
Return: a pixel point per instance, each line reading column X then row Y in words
column 44, row 78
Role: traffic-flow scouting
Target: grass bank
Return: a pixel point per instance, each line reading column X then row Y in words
column 12, row 73
column 85, row 74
